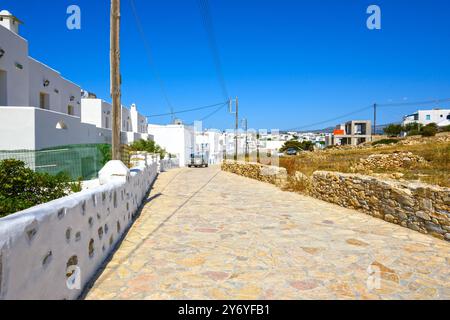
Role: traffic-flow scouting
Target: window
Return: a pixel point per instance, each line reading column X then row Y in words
column 70, row 110
column 61, row 125
column 106, row 122
column 44, row 101
column 3, row 89
column 428, row 117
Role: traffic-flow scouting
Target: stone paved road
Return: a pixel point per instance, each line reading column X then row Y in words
column 207, row 234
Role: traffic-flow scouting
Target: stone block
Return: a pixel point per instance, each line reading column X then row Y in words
column 114, row 170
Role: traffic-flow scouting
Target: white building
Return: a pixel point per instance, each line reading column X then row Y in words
column 40, row 109
column 99, row 113
column 211, row 142
column 439, row 116
column 176, row 139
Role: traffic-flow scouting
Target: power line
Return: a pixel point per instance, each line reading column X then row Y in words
column 214, row 112
column 209, row 27
column 148, row 50
column 330, row 120
column 417, row 103
column 188, row 110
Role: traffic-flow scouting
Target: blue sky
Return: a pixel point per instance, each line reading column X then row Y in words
column 291, row 62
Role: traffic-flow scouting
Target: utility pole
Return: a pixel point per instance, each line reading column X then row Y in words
column 258, row 160
column 237, row 131
column 245, row 125
column 115, row 78
column 374, row 119
column 225, row 146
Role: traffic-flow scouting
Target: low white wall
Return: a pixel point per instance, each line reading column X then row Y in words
column 38, row 245
column 167, row 164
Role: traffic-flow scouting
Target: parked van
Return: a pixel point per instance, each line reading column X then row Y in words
column 199, row 160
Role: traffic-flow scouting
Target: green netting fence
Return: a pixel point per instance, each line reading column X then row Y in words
column 78, row 161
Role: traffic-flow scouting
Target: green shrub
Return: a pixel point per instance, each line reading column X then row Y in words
column 393, row 130
column 106, row 152
column 148, row 146
column 414, row 133
column 22, row 188
column 412, row 127
column 297, row 145
column 76, row 186
column 385, row 141
column 445, row 129
column 429, row 130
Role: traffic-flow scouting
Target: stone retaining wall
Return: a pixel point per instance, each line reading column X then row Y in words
column 53, row 250
column 270, row 174
column 420, row 207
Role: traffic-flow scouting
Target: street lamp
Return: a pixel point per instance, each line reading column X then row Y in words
column 2, row 53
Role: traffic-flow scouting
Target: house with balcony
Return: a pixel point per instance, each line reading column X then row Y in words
column 441, row 117
column 352, row 133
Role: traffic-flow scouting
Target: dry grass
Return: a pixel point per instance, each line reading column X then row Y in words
column 435, row 171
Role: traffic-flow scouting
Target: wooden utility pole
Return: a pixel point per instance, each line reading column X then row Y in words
column 245, row 125
column 237, row 131
column 374, row 119
column 115, row 78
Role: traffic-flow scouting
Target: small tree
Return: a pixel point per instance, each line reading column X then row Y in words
column 393, row 130
column 297, row 145
column 291, row 144
column 148, row 146
column 414, row 126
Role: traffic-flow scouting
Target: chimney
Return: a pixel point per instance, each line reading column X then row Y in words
column 9, row 21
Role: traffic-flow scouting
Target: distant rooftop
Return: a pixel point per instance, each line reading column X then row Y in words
column 7, row 14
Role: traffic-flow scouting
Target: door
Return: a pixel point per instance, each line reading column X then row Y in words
column 44, row 101
column 3, row 89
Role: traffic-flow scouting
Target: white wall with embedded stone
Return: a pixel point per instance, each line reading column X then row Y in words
column 45, row 250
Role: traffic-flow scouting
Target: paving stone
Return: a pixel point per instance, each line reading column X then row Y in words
column 216, row 235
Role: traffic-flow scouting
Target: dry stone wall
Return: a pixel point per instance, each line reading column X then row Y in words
column 270, row 174
column 391, row 161
column 420, row 207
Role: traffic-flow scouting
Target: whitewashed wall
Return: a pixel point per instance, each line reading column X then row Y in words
column 38, row 245
column 167, row 164
column 96, row 112
column 25, row 77
column 16, row 53
column 29, row 128
column 178, row 140
column 59, row 89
